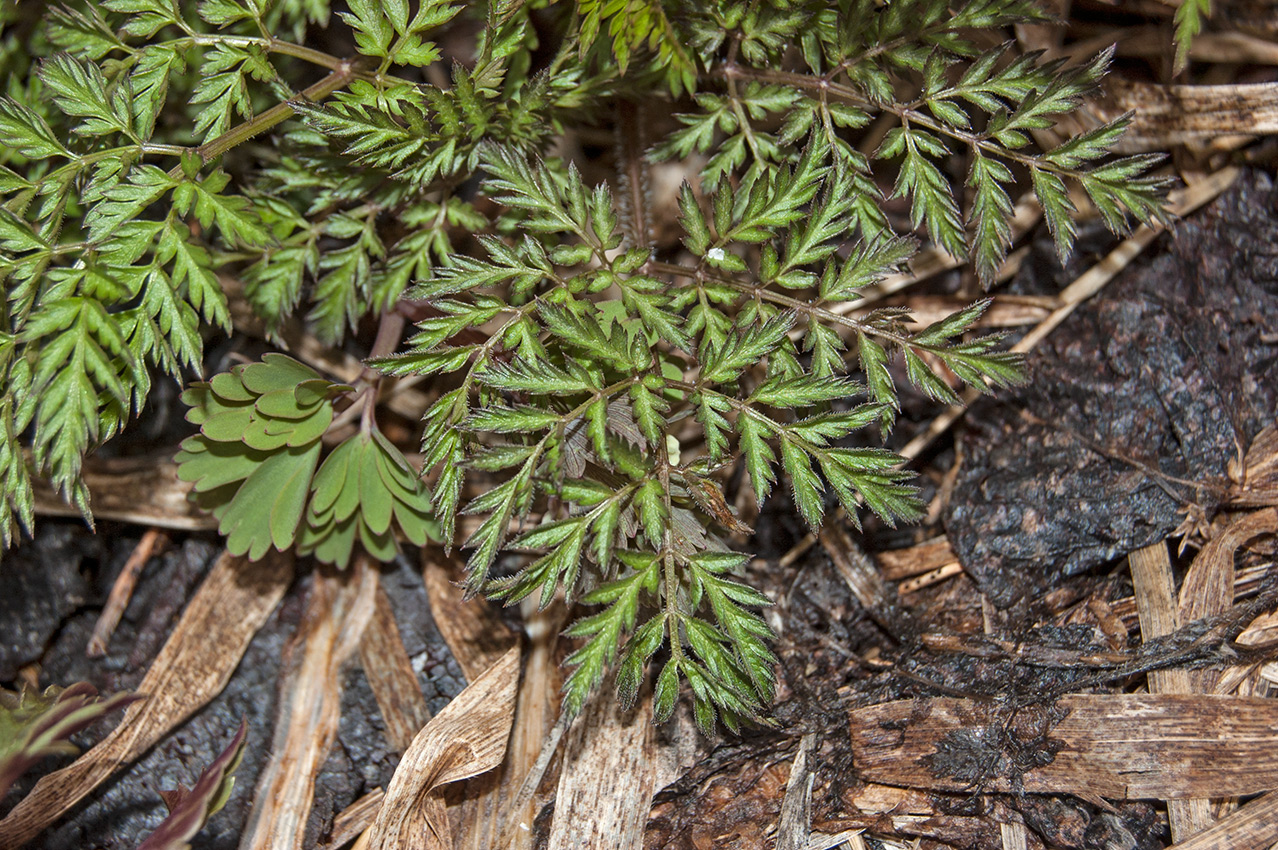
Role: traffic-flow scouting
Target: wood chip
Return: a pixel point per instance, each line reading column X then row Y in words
column 871, row 798
column 338, row 608
column 391, row 676
column 1159, row 615
column 1013, row 835
column 466, row 739
column 193, row 667
column 1259, row 474
column 795, row 826
column 488, row 812
column 1162, row 116
column 930, row 578
column 1156, row 604
column 929, row 555
column 1252, row 827
column 1121, row 746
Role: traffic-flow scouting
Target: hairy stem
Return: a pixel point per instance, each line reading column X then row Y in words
column 338, row 79
column 389, row 332
column 272, row 45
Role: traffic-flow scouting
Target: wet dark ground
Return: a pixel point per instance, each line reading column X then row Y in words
column 1134, row 408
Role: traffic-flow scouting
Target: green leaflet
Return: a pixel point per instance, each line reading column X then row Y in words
column 268, row 505
column 364, row 491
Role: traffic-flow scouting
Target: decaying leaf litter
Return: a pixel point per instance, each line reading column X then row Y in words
column 1003, row 704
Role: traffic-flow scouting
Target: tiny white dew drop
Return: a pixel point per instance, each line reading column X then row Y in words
column 716, row 254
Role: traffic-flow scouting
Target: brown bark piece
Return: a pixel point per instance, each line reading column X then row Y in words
column 193, row 667
column 1121, row 746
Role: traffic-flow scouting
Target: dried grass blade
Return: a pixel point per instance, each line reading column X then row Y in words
column 466, row 739
column 143, row 490
column 391, row 676
column 473, row 633
column 795, row 826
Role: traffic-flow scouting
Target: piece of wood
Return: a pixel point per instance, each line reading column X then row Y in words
column 1013, row 835
column 873, row 798
column 194, row 666
column 897, row 564
column 391, row 676
column 1120, row 746
column 1159, row 615
column 927, row 579
column 607, row 779
column 1257, row 480
column 1162, row 116
column 1252, row 827
column 338, row 607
